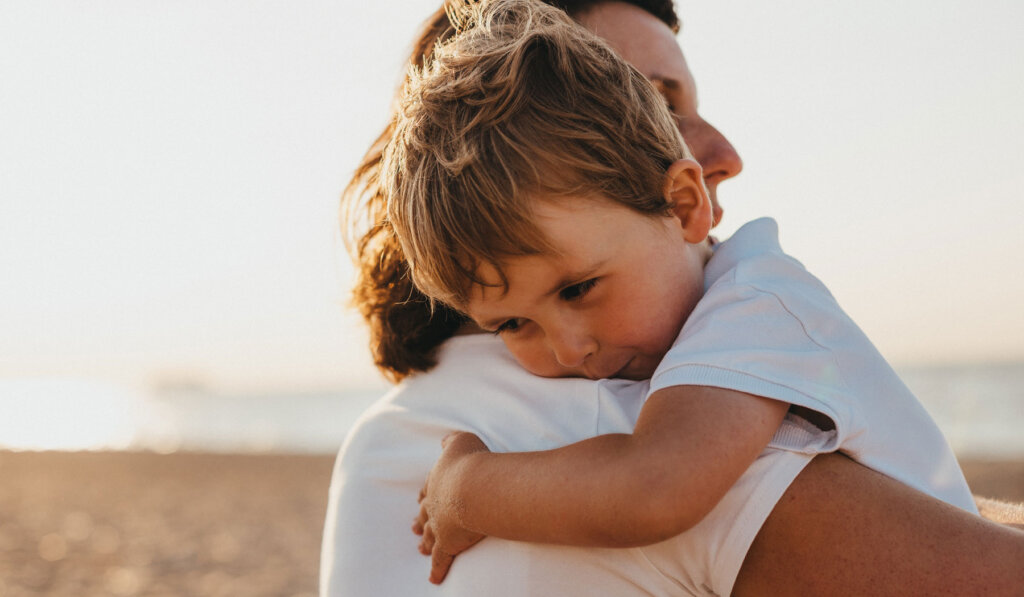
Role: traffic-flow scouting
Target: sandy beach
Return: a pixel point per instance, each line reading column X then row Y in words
column 122, row 524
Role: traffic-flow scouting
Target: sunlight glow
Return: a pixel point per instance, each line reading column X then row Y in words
column 52, row 414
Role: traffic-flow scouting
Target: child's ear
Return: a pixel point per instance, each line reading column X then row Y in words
column 685, row 190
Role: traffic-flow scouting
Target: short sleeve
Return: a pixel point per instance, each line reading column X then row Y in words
column 746, row 338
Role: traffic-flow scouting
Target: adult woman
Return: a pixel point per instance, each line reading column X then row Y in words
column 813, row 539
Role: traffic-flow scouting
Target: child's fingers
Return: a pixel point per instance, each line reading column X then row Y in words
column 427, row 542
column 440, row 562
column 420, row 521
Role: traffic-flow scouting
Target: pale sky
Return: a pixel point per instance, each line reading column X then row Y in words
column 169, row 174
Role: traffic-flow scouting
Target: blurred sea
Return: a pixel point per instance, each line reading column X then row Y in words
column 980, row 408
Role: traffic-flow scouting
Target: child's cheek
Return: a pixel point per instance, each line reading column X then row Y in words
column 640, row 323
column 534, row 356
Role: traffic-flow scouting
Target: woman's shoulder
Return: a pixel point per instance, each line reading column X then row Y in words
column 476, row 369
column 474, row 373
column 462, row 362
column 478, row 386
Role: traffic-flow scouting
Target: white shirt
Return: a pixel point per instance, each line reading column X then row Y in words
column 767, row 327
column 369, row 548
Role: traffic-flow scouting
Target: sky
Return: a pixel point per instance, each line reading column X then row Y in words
column 170, row 173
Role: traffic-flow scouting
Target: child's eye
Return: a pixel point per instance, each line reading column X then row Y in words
column 577, row 291
column 512, row 325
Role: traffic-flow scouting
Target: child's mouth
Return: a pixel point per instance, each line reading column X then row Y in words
column 620, row 374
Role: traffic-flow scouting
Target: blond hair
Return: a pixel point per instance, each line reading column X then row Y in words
column 522, row 103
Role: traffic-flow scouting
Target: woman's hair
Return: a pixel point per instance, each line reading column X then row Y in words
column 405, row 328
column 521, row 105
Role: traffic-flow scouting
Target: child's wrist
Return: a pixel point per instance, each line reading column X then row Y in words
column 465, row 486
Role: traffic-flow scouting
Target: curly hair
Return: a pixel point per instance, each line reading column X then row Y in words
column 405, row 327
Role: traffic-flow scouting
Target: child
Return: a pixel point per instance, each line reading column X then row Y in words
column 539, row 185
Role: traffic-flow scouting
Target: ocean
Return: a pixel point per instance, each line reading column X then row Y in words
column 980, row 408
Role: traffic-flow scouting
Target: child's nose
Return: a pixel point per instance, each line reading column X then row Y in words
column 571, row 349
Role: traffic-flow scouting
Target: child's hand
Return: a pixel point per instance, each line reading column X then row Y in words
column 438, row 520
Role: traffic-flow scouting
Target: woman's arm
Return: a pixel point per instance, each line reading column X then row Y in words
column 690, row 444
column 844, row 529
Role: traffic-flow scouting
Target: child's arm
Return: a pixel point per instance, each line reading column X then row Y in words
column 690, row 445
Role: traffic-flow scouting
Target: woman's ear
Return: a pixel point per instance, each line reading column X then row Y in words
column 685, row 190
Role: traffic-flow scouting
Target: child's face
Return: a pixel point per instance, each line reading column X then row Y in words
column 608, row 303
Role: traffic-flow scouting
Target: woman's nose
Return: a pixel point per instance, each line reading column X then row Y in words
column 715, row 153
column 717, row 157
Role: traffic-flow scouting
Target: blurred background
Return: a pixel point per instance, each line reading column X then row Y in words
column 172, row 280
column 171, row 276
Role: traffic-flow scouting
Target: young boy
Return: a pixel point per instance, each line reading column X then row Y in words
column 539, row 184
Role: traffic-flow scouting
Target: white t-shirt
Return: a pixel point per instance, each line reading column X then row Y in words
column 477, row 386
column 767, row 327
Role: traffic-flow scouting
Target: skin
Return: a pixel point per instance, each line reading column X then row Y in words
column 823, row 537
column 651, row 47
column 842, row 529
column 588, row 310
column 591, row 311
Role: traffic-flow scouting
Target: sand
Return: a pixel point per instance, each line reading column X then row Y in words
column 122, row 524
column 84, row 524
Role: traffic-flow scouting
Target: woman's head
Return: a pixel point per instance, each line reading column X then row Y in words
column 651, row 46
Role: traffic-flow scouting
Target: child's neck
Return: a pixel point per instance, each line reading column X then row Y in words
column 705, row 249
